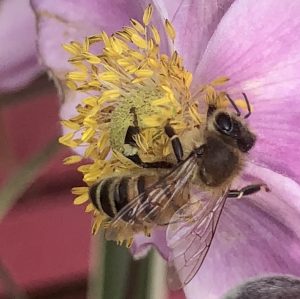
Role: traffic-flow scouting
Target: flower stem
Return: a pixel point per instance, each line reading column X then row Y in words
column 115, row 275
column 11, row 288
column 23, row 177
column 110, row 269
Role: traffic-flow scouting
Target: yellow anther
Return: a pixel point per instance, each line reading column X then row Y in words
column 89, row 208
column 188, row 78
column 91, row 58
column 105, row 39
column 170, row 30
column 109, row 76
column 116, row 45
column 88, row 134
column 70, row 124
column 71, row 49
column 139, row 41
column 147, row 14
column 71, row 84
column 155, row 35
column 81, row 199
column 79, row 190
column 72, row 159
column 145, row 73
column 91, row 101
column 137, row 26
column 77, row 76
column 68, row 140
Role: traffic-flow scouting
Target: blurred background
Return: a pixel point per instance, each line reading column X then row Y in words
column 46, row 248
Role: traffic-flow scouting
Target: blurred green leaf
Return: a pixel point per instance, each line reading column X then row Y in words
column 110, row 270
column 23, row 177
column 139, row 279
column 115, row 275
column 116, row 265
column 10, row 287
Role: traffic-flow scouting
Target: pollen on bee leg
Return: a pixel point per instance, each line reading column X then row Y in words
column 147, row 231
column 243, row 105
column 128, row 243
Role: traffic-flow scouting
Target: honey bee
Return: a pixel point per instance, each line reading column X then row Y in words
column 208, row 158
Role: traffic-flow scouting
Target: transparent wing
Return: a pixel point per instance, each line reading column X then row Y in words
column 146, row 207
column 189, row 241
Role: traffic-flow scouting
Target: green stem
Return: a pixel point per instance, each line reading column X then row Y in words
column 10, row 287
column 23, row 177
column 111, row 269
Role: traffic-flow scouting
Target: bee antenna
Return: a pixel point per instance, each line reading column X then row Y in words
column 248, row 105
column 233, row 104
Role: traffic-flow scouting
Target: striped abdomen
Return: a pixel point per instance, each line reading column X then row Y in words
column 110, row 195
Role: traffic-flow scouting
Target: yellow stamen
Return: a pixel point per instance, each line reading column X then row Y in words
column 72, row 159
column 170, row 30
column 138, row 26
column 145, row 73
column 81, row 199
column 139, row 41
column 77, row 76
column 155, row 34
column 147, row 15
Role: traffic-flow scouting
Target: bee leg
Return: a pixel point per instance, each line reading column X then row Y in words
column 238, row 112
column 131, row 132
column 159, row 164
column 176, row 144
column 247, row 190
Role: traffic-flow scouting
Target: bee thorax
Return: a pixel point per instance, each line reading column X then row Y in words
column 219, row 162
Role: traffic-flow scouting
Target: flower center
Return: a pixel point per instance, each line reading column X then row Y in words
column 130, row 85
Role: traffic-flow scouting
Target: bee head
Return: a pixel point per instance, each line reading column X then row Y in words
column 232, row 128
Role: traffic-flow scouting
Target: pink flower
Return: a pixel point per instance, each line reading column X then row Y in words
column 258, row 47
column 18, row 55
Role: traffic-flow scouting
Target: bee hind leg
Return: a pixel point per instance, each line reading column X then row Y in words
column 247, row 190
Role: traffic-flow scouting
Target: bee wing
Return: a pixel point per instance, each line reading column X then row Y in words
column 147, row 206
column 189, row 241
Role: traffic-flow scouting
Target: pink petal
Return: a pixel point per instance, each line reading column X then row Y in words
column 258, row 47
column 63, row 21
column 256, row 235
column 195, row 22
column 141, row 244
column 18, row 56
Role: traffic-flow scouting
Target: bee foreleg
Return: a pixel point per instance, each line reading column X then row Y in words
column 247, row 190
column 176, row 144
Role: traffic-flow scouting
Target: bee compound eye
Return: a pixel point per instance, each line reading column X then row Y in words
column 224, row 123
